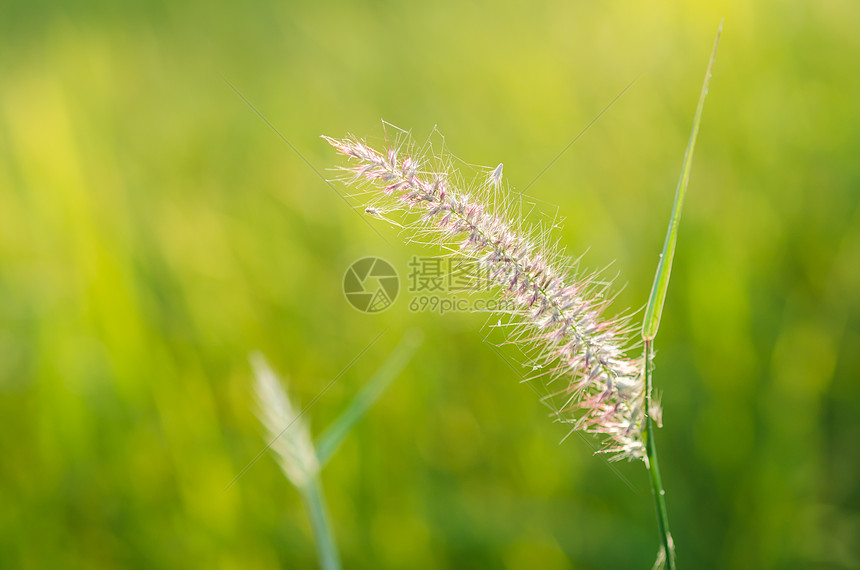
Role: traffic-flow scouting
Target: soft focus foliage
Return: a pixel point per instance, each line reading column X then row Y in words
column 153, row 231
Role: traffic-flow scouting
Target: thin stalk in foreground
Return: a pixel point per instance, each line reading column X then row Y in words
column 312, row 495
column 654, row 467
column 651, row 323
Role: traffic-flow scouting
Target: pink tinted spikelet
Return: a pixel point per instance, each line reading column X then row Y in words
column 591, row 383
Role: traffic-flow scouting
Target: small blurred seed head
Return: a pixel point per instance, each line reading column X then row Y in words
column 289, row 435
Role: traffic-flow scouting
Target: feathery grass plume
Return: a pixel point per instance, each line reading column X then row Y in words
column 556, row 314
column 289, row 434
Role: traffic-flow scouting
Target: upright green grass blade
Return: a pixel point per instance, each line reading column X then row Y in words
column 661, row 280
column 651, row 322
column 331, row 439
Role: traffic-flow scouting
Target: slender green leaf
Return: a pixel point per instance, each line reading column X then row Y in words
column 661, row 280
column 331, row 439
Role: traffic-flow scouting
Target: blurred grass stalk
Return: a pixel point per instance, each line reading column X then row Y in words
column 290, row 437
column 651, row 323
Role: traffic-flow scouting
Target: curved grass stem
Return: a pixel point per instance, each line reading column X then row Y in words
column 312, row 494
column 653, row 465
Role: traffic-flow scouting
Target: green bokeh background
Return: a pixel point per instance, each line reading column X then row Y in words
column 153, row 231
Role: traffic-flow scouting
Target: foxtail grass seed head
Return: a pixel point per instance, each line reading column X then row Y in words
column 555, row 313
column 289, row 434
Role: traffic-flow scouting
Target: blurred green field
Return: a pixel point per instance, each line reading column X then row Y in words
column 154, row 231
